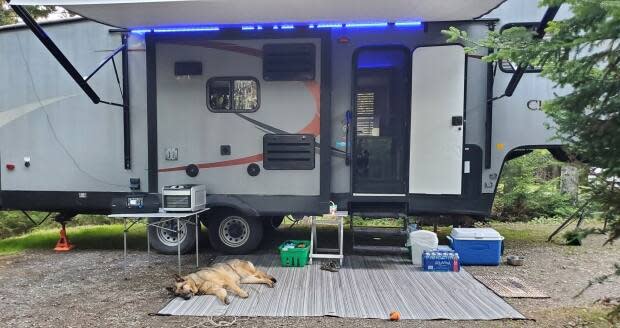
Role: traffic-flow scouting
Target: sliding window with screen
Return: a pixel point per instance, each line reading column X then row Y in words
column 233, row 94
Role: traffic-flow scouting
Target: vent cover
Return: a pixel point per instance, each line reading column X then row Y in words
column 288, row 152
column 289, row 62
column 187, row 68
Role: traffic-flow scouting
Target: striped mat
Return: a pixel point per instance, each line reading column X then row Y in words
column 366, row 287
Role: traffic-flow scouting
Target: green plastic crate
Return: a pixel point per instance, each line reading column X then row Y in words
column 294, row 257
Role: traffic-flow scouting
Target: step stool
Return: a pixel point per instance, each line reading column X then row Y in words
column 327, row 253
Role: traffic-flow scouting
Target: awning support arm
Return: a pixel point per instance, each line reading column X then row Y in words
column 540, row 33
column 53, row 49
column 110, row 57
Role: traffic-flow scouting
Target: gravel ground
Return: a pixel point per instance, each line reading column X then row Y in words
column 87, row 288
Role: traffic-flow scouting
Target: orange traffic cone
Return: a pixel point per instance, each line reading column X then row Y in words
column 63, row 244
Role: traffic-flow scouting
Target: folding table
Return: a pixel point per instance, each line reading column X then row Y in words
column 166, row 217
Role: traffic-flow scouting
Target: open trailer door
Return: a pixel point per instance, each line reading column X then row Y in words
column 437, row 120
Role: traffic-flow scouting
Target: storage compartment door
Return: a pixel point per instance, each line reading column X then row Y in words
column 437, row 122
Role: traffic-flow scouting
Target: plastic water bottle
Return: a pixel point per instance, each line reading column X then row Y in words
column 456, row 265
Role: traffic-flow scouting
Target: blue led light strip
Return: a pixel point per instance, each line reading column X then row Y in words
column 411, row 23
column 140, row 31
column 186, row 29
column 331, row 25
column 382, row 24
column 278, row 27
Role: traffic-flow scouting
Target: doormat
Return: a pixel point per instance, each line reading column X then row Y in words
column 510, row 287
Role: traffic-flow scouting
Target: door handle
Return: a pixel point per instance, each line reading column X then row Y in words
column 457, row 120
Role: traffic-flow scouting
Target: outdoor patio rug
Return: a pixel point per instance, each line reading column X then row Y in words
column 510, row 287
column 366, row 287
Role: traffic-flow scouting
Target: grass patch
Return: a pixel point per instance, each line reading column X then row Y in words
column 591, row 316
column 86, row 237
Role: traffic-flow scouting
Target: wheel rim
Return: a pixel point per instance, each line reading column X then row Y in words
column 234, row 231
column 170, row 238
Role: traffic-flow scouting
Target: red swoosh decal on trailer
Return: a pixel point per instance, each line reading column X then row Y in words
column 313, row 127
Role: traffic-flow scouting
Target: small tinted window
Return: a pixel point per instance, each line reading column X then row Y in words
column 510, row 67
column 289, row 62
column 233, row 94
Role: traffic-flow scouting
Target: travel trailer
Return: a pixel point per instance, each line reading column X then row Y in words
column 277, row 107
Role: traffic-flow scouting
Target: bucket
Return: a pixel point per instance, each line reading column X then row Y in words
column 420, row 241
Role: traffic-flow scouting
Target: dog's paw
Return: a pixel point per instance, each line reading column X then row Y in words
column 271, row 285
column 244, row 295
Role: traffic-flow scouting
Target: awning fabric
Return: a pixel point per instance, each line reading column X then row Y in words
column 153, row 13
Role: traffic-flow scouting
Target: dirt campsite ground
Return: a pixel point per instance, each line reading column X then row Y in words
column 86, row 288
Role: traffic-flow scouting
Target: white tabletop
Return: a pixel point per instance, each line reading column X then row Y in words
column 160, row 214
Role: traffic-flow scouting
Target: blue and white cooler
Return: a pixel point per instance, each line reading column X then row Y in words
column 477, row 246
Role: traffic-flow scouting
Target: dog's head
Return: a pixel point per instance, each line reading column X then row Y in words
column 185, row 288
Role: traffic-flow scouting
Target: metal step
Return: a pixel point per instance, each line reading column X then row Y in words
column 378, row 214
column 367, row 249
column 379, row 232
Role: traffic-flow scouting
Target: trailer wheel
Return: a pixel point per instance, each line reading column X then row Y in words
column 234, row 233
column 272, row 222
column 165, row 241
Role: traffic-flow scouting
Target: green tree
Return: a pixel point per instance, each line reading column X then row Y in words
column 525, row 192
column 7, row 16
column 581, row 54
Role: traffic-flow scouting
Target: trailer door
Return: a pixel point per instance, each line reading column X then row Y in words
column 437, row 121
column 381, row 119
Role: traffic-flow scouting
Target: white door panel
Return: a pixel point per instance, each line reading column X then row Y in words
column 437, row 95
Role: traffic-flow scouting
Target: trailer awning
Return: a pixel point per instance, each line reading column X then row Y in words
column 154, row 13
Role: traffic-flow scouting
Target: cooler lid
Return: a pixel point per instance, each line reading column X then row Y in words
column 475, row 234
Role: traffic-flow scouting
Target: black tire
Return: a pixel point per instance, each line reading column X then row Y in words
column 234, row 233
column 164, row 241
column 272, row 222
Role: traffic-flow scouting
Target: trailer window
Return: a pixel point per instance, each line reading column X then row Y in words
column 233, row 95
column 510, row 67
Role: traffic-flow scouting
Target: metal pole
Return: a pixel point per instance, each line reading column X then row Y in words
column 125, row 247
column 178, row 246
column 126, row 108
column 341, row 236
column 197, row 265
column 148, row 242
column 311, row 238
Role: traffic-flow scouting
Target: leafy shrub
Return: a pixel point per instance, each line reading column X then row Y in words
column 526, row 191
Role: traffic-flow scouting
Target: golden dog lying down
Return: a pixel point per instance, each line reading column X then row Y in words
column 217, row 279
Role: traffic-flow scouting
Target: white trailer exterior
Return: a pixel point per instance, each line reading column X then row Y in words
column 276, row 116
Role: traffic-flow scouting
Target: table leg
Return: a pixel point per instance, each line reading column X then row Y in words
column 178, row 246
column 311, row 239
column 125, row 247
column 341, row 237
column 148, row 243
column 196, row 225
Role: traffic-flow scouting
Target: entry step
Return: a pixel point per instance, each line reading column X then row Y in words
column 368, row 249
column 379, row 232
